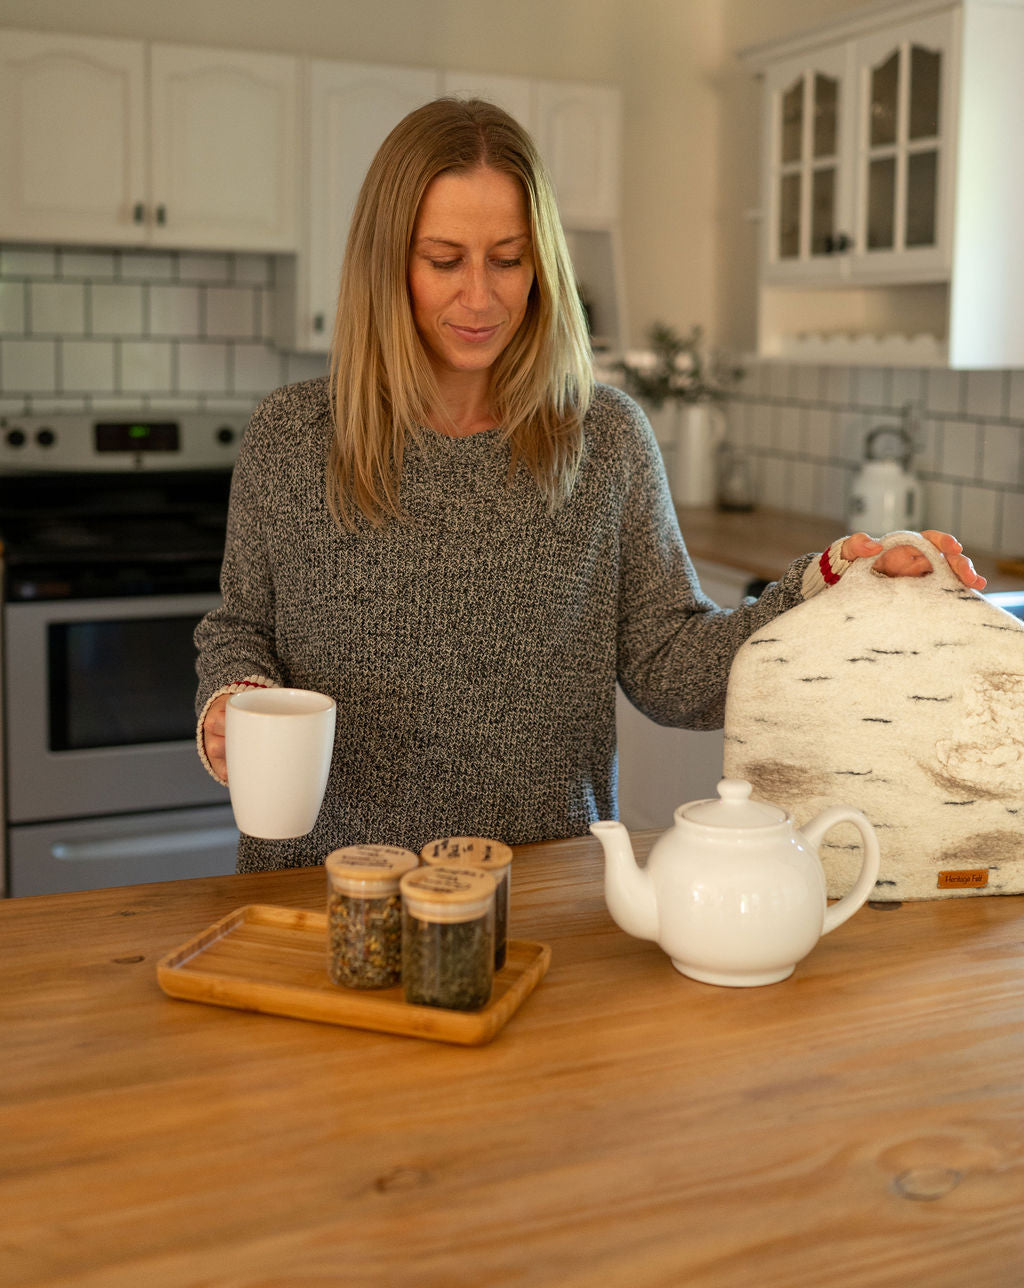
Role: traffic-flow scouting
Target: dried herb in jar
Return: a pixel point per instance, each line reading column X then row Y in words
column 493, row 857
column 364, row 915
column 448, row 937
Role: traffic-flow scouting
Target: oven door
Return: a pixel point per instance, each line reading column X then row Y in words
column 99, row 707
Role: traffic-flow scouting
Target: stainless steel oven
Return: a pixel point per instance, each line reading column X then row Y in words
column 112, row 533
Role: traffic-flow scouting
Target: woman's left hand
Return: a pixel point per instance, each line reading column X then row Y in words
column 907, row 561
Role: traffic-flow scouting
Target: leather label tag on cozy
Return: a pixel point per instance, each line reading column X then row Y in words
column 902, row 697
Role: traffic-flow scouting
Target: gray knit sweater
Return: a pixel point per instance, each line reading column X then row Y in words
column 473, row 650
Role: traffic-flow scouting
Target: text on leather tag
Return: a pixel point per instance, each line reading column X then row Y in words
column 970, row 877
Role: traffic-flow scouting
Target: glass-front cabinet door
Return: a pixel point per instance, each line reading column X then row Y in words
column 903, row 157
column 806, row 175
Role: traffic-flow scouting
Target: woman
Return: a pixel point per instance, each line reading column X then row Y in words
column 457, row 535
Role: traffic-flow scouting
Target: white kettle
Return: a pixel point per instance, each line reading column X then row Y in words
column 885, row 495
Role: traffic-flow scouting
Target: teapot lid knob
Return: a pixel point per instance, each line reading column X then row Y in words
column 733, row 808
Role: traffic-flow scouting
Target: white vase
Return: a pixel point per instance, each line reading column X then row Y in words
column 700, row 432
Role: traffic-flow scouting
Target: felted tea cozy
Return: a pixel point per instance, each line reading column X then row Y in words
column 902, row 697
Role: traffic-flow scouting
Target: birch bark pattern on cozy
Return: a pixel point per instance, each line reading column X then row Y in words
column 902, row 697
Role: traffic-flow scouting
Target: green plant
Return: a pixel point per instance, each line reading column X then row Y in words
column 676, row 366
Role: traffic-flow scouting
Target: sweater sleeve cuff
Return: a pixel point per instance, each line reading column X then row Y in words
column 825, row 570
column 250, row 682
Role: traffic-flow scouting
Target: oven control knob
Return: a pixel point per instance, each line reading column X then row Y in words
column 45, row 437
column 225, row 434
column 15, row 438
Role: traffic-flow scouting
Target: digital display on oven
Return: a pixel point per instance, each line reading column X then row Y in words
column 136, row 436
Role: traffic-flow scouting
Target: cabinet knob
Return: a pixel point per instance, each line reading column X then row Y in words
column 161, row 214
column 318, row 322
column 139, row 213
column 835, row 245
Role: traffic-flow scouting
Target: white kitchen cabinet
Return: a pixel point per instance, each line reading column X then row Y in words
column 223, row 135
column 890, row 174
column 661, row 768
column 72, row 138
column 119, row 142
column 350, row 108
column 578, row 131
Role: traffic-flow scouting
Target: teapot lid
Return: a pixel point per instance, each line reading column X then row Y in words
column 734, row 808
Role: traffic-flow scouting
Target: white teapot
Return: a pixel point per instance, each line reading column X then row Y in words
column 734, row 893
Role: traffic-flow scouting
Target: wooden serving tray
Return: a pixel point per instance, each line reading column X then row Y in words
column 274, row 960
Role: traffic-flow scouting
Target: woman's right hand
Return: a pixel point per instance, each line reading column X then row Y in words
column 213, row 736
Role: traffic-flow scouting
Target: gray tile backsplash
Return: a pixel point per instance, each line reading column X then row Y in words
column 804, row 428
column 146, row 330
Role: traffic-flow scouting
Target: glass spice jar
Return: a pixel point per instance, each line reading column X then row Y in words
column 448, row 937
column 364, row 914
column 493, row 857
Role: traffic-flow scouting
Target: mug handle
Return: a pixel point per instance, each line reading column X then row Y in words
column 837, row 913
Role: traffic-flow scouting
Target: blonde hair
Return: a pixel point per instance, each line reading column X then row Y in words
column 382, row 384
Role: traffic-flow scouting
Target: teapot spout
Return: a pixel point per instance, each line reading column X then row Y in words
column 628, row 889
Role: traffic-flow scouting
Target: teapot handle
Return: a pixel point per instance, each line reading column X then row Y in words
column 837, row 913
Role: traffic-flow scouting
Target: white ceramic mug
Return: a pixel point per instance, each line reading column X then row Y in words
column 278, row 750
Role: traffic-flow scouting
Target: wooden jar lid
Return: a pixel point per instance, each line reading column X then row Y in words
column 370, row 865
column 447, row 892
column 468, row 852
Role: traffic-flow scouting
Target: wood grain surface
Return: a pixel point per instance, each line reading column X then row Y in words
column 860, row 1124
column 274, row 960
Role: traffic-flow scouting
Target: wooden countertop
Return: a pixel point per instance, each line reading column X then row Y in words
column 860, row 1124
column 766, row 541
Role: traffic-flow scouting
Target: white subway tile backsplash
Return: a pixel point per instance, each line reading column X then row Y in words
column 958, row 453
column 205, row 268
column 116, row 309
column 27, row 261
column 147, row 266
column 230, row 313
column 1015, row 395
column 1001, row 454
column 831, row 492
column 871, row 387
column 202, row 368
column 985, row 393
column 257, row 368
column 12, row 308
column 28, row 366
column 174, row 310
column 941, row 506
column 303, row 366
column 88, row 265
column 780, row 380
column 837, row 386
column 253, row 270
column 906, row 385
column 146, row 367
column 1011, row 534
column 978, row 526
column 88, row 366
column 807, row 383
column 56, row 308
column 944, row 392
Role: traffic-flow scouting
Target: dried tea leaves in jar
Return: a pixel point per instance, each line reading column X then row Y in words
column 491, row 856
column 364, row 914
column 448, row 937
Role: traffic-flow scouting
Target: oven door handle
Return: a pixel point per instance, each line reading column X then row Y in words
column 146, row 845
